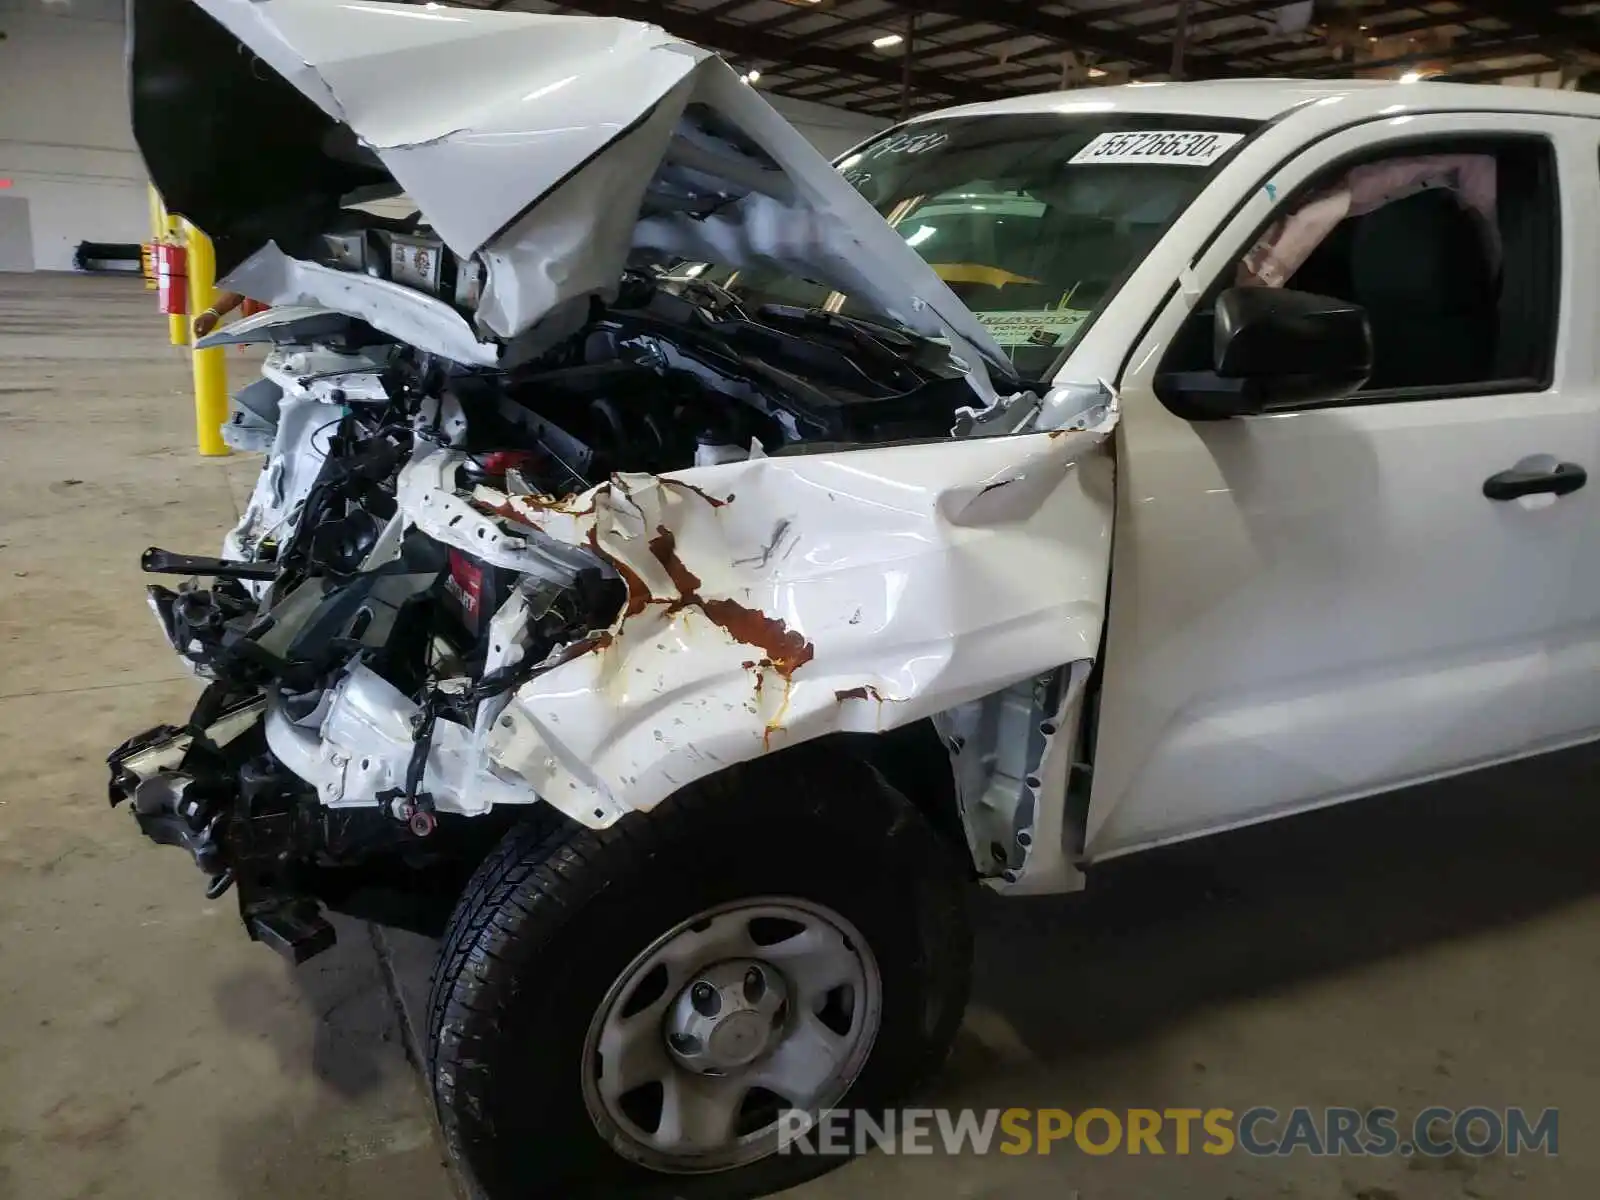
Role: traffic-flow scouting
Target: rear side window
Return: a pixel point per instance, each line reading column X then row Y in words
column 1451, row 247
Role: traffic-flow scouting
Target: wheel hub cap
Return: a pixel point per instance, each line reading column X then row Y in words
column 728, row 1017
column 723, row 1022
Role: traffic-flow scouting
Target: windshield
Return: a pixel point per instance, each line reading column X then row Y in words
column 1033, row 219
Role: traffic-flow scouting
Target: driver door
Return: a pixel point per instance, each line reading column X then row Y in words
column 1309, row 606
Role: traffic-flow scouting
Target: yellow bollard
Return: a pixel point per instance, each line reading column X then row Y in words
column 210, row 366
column 178, row 323
column 158, row 226
column 158, row 215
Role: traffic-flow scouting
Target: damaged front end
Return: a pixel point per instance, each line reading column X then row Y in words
column 430, row 641
column 633, row 537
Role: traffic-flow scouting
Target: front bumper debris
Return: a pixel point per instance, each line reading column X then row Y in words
column 209, row 788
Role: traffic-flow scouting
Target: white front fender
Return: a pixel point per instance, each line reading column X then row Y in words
column 780, row 599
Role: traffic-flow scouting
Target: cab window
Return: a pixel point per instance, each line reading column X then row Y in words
column 1452, row 250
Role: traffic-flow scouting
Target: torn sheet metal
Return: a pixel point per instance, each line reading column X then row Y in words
column 556, row 146
column 428, row 498
column 772, row 601
column 272, row 277
column 281, row 325
column 1011, row 753
column 362, row 746
column 313, row 388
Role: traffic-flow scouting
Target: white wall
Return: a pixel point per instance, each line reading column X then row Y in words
column 65, row 140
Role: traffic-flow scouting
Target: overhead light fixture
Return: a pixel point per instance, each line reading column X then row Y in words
column 1097, row 72
column 1411, row 77
column 887, row 40
column 750, row 76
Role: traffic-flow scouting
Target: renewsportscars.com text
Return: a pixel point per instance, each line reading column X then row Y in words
column 1260, row 1132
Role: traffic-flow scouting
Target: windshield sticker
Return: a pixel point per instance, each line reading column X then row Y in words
column 1040, row 327
column 1162, row 146
column 908, row 143
column 903, row 145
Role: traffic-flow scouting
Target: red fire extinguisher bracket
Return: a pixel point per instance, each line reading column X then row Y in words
column 172, row 279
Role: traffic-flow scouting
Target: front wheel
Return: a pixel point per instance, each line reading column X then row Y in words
column 629, row 1013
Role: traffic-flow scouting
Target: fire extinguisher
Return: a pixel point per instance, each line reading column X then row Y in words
column 172, row 279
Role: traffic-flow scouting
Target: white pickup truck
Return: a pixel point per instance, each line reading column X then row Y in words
column 679, row 567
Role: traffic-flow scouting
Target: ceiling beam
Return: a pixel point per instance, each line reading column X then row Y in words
column 879, row 20
column 1206, row 40
column 1483, row 50
column 1034, row 62
column 1495, row 74
column 1228, row 52
column 741, row 42
column 1577, row 33
column 1072, row 32
column 1235, row 46
column 724, row 7
column 789, row 15
column 1213, row 10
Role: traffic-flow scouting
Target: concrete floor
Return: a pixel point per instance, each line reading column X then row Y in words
column 1440, row 949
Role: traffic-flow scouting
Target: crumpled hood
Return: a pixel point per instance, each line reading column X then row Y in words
column 554, row 148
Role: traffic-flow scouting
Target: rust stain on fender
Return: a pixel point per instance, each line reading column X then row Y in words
column 599, row 640
column 638, row 594
column 664, row 546
column 864, row 692
column 786, row 650
column 523, row 508
column 698, row 491
column 867, row 691
column 776, row 724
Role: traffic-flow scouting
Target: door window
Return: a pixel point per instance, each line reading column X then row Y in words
column 1452, row 249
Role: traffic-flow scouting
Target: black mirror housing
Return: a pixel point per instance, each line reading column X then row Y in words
column 1275, row 348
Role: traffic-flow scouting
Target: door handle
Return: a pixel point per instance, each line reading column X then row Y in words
column 1563, row 480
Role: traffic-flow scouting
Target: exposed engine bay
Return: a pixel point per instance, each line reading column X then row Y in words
column 427, row 541
column 547, row 522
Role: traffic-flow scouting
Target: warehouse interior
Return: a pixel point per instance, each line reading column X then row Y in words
column 1432, row 949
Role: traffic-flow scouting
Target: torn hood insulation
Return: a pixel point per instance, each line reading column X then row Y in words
column 555, row 149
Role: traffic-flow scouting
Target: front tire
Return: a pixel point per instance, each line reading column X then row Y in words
column 624, row 1013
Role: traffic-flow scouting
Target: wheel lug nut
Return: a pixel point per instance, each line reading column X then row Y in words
column 755, row 985
column 705, row 999
column 684, row 1043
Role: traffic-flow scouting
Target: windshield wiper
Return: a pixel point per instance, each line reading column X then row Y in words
column 723, row 302
column 888, row 346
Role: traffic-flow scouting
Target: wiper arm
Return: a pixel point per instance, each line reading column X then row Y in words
column 877, row 331
column 724, row 301
column 887, row 346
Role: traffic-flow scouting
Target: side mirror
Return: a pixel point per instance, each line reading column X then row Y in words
column 1274, row 348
